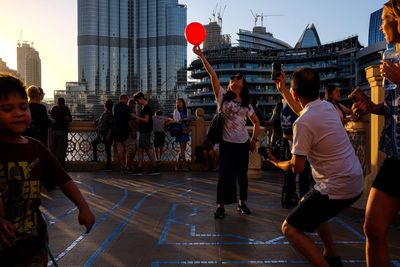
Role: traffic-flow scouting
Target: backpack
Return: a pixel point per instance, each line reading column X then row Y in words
column 33, row 130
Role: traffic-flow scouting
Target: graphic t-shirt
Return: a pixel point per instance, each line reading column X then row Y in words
column 23, row 169
column 235, row 116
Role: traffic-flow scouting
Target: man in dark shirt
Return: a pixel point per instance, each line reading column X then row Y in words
column 145, row 122
column 121, row 133
column 62, row 116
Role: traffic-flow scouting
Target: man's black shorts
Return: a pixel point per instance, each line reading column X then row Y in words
column 315, row 208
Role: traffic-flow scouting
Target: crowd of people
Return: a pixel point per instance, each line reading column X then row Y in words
column 320, row 153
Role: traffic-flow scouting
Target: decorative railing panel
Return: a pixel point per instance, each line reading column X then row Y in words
column 82, row 133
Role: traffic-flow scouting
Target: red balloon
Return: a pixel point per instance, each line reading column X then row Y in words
column 195, row 33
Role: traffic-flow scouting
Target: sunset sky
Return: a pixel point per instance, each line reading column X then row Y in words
column 52, row 26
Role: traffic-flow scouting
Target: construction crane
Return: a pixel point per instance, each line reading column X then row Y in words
column 214, row 11
column 262, row 16
column 220, row 15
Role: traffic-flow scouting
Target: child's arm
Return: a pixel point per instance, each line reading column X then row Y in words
column 86, row 216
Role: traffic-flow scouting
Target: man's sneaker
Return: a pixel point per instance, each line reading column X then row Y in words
column 125, row 171
column 219, row 213
column 153, row 171
column 243, row 209
column 138, row 171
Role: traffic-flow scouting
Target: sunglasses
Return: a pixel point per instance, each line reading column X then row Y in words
column 236, row 77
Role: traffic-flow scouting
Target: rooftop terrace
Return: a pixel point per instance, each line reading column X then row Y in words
column 167, row 220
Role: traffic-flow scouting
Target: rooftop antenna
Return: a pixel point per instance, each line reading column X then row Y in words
column 220, row 15
column 20, row 38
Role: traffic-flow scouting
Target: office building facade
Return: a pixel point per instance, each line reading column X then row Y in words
column 125, row 46
column 29, row 65
column 335, row 63
column 375, row 35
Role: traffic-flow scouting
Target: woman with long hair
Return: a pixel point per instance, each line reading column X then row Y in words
column 384, row 197
column 182, row 116
column 234, row 103
column 332, row 95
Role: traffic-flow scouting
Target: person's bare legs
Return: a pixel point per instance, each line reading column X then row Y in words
column 303, row 244
column 182, row 150
column 140, row 158
column 324, row 232
column 150, row 153
column 379, row 214
column 121, row 156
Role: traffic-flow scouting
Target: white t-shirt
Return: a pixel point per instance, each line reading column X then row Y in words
column 235, row 117
column 319, row 134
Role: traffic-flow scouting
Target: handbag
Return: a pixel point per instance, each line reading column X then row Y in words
column 175, row 129
column 216, row 129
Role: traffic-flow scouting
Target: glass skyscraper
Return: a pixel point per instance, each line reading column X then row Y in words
column 375, row 35
column 126, row 46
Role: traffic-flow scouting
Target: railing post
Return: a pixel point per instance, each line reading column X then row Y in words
column 255, row 161
column 198, row 128
column 377, row 96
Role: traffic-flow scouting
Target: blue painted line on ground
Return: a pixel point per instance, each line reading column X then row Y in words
column 167, row 225
column 250, row 262
column 349, row 228
column 249, row 243
column 100, row 220
column 396, row 263
column 171, row 219
column 192, row 229
column 117, row 230
column 51, row 219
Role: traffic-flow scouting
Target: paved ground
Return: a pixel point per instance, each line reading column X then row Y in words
column 167, row 220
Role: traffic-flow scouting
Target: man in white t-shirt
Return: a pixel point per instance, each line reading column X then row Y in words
column 318, row 135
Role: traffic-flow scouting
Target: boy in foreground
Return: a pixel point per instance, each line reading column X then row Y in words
column 25, row 164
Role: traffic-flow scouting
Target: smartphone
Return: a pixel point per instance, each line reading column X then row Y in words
column 276, row 70
column 358, row 95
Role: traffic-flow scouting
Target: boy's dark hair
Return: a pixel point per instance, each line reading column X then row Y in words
column 159, row 112
column 10, row 84
column 329, row 90
column 306, row 83
column 109, row 104
column 138, row 95
column 61, row 101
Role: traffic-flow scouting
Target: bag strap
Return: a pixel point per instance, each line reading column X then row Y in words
column 47, row 248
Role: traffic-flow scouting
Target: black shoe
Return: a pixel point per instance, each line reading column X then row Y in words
column 93, row 161
column 334, row 261
column 138, row 171
column 153, row 171
column 243, row 209
column 219, row 213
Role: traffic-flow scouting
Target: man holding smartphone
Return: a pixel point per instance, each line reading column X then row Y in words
column 318, row 135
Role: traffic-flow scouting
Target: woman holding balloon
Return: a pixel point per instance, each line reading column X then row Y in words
column 234, row 103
